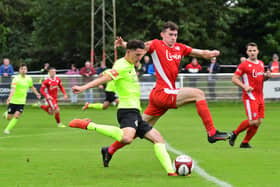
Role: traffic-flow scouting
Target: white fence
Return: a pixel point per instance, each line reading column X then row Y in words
column 216, row 87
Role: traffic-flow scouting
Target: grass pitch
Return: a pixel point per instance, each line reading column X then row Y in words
column 37, row 153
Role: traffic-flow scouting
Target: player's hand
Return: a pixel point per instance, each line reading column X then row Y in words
column 77, row 89
column 214, row 53
column 101, row 87
column 119, row 42
column 38, row 96
column 65, row 97
column 8, row 100
column 248, row 88
column 49, row 97
column 268, row 74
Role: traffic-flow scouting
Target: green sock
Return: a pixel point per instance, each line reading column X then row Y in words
column 107, row 130
column 163, row 157
column 11, row 124
column 96, row 106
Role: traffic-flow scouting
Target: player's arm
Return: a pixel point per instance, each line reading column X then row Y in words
column 13, row 89
column 206, row 54
column 119, row 42
column 62, row 90
column 42, row 90
column 101, row 80
column 34, row 90
column 267, row 75
column 236, row 80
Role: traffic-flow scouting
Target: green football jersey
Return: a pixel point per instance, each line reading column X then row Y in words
column 110, row 87
column 126, row 82
column 22, row 84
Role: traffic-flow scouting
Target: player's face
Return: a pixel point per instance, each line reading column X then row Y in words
column 52, row 73
column 252, row 52
column 23, row 70
column 169, row 37
column 134, row 56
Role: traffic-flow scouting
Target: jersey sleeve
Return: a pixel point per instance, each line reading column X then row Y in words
column 30, row 82
column 113, row 73
column 153, row 45
column 186, row 50
column 14, row 83
column 61, row 86
column 240, row 70
column 43, row 87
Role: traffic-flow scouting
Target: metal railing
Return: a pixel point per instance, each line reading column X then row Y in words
column 215, row 86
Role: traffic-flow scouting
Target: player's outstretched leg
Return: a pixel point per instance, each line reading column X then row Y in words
column 205, row 115
column 106, row 156
column 106, row 130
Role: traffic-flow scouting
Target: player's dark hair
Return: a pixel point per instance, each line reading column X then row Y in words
column 22, row 65
column 50, row 68
column 135, row 44
column 170, row 25
column 252, row 44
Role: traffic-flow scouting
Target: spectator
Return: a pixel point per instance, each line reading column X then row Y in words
column 151, row 69
column 273, row 66
column 6, row 71
column 73, row 81
column 101, row 68
column 213, row 68
column 193, row 67
column 87, row 72
column 146, row 64
column 45, row 70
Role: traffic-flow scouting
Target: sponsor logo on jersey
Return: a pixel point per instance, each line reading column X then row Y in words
column 177, row 48
column 53, row 87
column 172, row 57
column 255, row 74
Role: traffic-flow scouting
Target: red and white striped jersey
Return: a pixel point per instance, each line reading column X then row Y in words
column 252, row 75
column 52, row 87
column 166, row 61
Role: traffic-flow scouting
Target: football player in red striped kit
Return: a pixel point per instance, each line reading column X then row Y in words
column 253, row 75
column 51, row 84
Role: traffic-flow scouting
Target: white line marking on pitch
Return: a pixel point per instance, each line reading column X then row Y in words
column 200, row 170
column 42, row 134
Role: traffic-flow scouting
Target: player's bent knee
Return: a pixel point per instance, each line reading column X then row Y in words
column 200, row 94
column 127, row 139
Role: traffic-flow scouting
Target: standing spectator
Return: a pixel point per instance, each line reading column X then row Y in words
column 273, row 66
column 87, row 72
column 151, row 69
column 101, row 68
column 213, row 68
column 73, row 81
column 45, row 70
column 146, row 64
column 6, row 70
column 193, row 67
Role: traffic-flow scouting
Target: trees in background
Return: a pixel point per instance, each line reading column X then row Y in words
column 58, row 31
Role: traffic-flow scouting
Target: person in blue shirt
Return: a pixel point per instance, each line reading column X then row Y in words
column 6, row 70
column 151, row 69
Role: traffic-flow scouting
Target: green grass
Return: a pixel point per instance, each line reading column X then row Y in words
column 37, row 153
